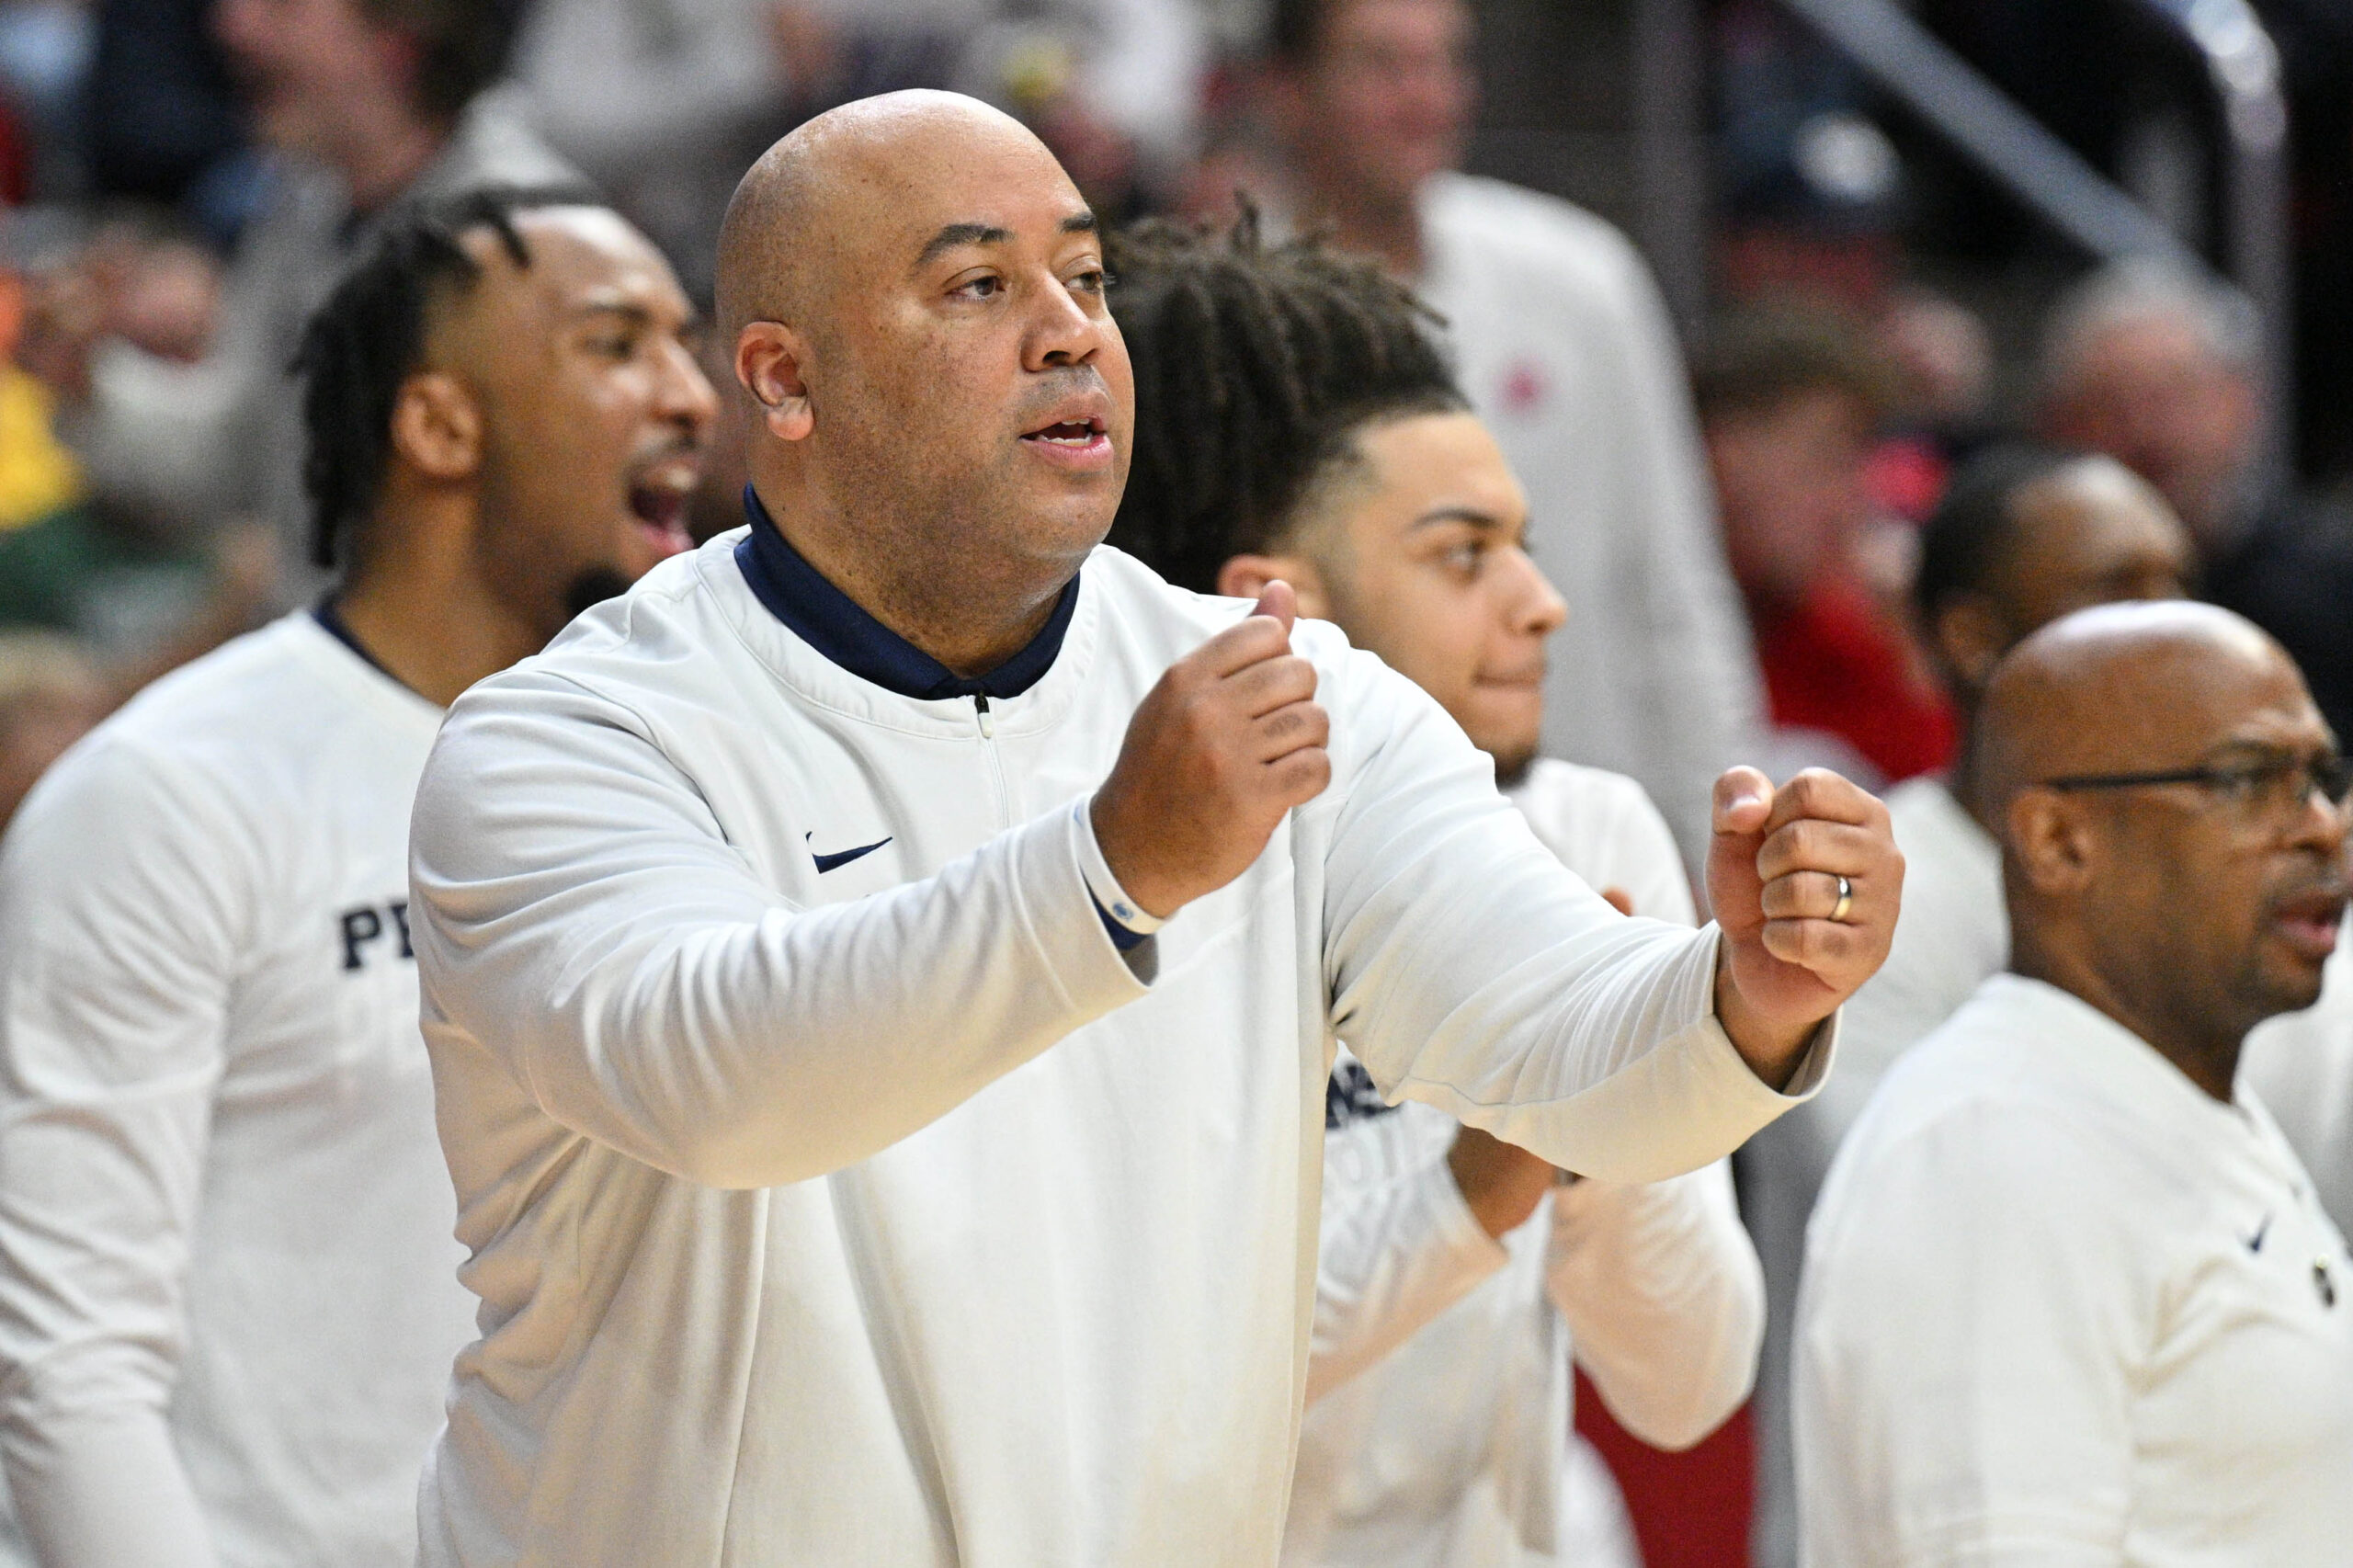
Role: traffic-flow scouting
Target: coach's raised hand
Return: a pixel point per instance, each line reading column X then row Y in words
column 1228, row 741
column 1790, row 954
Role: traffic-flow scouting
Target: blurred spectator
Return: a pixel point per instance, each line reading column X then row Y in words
column 162, row 118
column 45, row 47
column 1113, row 86
column 2025, row 535
column 1942, row 361
column 669, row 100
column 1812, row 185
column 51, row 696
column 1565, row 347
column 143, row 594
column 368, row 101
column 2159, row 371
column 37, row 475
column 1790, row 402
column 665, row 103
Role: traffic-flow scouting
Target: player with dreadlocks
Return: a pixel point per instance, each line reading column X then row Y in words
column 227, row 1296
column 1293, row 421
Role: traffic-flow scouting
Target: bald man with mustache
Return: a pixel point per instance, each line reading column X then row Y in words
column 2070, row 1297
column 881, row 977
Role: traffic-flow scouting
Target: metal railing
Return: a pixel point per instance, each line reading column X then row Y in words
column 2041, row 172
column 2243, row 68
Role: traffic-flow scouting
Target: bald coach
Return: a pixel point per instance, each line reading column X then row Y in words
column 881, row 975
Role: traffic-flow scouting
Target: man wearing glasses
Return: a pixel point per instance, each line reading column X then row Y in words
column 2069, row 1296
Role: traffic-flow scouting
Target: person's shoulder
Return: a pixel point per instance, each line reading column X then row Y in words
column 1551, row 784
column 264, row 688
column 1953, row 867
column 670, row 633
column 1170, row 621
column 1512, row 222
column 248, row 733
column 496, row 142
column 1138, row 596
column 1986, row 1085
column 194, row 755
column 1603, row 825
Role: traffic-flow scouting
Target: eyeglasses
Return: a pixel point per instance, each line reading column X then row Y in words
column 2271, row 788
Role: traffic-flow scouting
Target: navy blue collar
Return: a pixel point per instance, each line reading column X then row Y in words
column 329, row 615
column 832, row 622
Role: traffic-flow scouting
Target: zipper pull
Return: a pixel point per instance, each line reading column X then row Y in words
column 981, row 704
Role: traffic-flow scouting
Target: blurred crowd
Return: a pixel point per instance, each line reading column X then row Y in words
column 184, row 177
column 1755, row 524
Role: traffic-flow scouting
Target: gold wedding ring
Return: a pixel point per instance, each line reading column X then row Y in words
column 1846, row 900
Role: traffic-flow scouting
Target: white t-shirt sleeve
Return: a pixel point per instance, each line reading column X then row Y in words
column 580, row 914
column 1961, row 1391
column 121, row 903
column 1664, row 1298
column 1471, row 970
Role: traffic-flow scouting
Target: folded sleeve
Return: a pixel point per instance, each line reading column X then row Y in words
column 1664, row 1298
column 1470, row 970
column 581, row 915
column 120, row 910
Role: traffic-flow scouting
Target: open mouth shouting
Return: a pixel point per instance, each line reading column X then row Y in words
column 659, row 494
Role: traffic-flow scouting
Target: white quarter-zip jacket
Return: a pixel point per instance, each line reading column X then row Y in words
column 228, row 1299
column 1437, row 1433
column 2062, row 1307
column 888, row 1213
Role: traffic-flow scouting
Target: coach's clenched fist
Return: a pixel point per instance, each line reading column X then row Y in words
column 1228, row 741
column 1805, row 880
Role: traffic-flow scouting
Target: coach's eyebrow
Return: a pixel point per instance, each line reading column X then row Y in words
column 1080, row 223
column 956, row 234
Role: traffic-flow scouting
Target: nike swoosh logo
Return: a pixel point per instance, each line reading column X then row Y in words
column 841, row 857
column 2255, row 1242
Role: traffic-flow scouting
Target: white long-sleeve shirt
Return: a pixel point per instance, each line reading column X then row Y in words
column 1565, row 347
column 2062, row 1307
column 228, row 1299
column 1437, row 1431
column 885, row 1213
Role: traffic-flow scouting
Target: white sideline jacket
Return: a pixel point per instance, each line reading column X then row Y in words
column 796, row 1242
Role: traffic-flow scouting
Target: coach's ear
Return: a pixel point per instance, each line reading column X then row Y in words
column 768, row 362
column 437, row 427
column 1247, row 576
